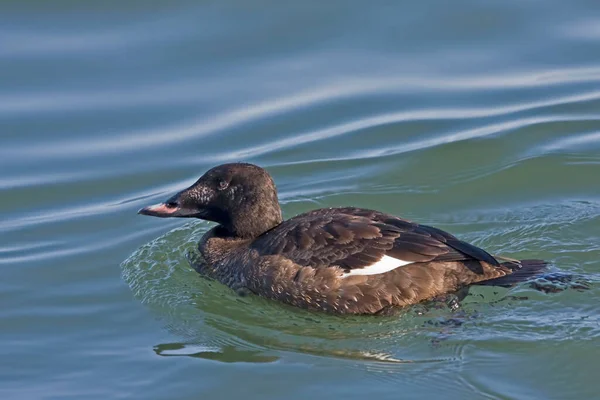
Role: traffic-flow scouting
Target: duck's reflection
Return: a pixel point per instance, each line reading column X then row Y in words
column 226, row 354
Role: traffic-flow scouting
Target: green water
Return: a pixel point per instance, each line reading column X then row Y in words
column 481, row 118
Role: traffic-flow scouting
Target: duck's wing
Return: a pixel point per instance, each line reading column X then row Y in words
column 364, row 242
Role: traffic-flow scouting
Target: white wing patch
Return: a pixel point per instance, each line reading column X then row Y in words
column 386, row 264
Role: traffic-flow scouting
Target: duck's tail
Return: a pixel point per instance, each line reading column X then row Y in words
column 522, row 271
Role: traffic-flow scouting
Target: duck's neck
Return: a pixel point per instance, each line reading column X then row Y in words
column 254, row 220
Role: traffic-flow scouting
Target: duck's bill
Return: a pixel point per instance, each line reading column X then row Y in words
column 165, row 210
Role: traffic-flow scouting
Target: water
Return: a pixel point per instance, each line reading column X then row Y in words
column 482, row 119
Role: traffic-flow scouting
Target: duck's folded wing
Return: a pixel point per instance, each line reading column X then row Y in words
column 364, row 243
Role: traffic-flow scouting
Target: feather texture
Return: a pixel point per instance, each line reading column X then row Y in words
column 353, row 239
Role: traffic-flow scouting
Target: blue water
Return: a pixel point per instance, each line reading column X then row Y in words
column 479, row 118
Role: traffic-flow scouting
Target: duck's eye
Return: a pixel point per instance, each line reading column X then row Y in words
column 223, row 185
column 171, row 204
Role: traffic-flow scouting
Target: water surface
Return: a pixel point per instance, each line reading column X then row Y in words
column 482, row 119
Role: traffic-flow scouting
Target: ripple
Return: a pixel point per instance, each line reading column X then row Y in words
column 573, row 142
column 325, row 92
column 405, row 147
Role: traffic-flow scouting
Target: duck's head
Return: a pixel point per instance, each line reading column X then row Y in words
column 240, row 197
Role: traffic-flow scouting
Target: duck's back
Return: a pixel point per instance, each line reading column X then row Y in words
column 355, row 239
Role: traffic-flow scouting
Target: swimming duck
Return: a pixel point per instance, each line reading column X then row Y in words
column 339, row 260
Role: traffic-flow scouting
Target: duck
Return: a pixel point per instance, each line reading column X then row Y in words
column 339, row 260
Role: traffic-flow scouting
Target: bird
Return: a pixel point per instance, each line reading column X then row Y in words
column 338, row 260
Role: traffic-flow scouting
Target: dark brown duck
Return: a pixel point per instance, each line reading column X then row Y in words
column 340, row 260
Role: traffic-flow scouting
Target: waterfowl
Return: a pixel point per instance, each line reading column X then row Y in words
column 343, row 260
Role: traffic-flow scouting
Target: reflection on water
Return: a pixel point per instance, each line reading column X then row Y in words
column 226, row 354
